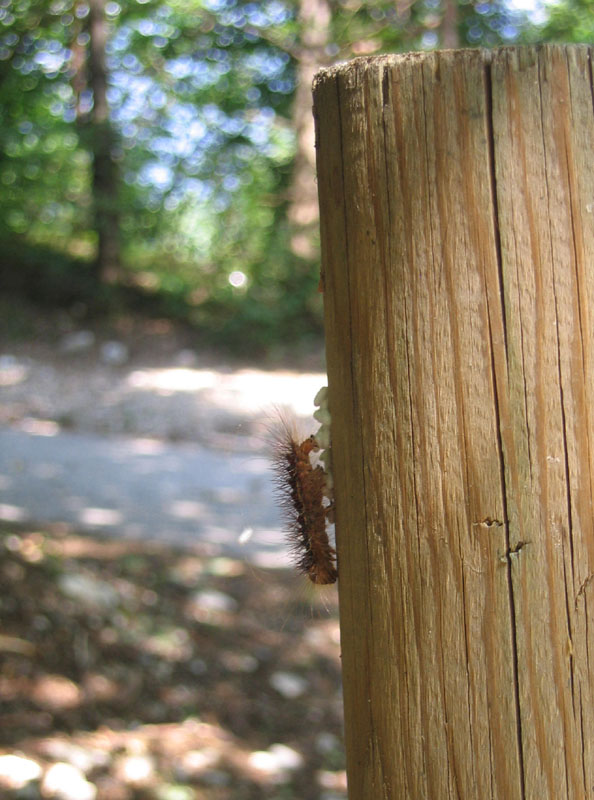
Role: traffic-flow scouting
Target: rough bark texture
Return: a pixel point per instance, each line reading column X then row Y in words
column 457, row 197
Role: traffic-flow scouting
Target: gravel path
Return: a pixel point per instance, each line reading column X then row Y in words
column 155, row 444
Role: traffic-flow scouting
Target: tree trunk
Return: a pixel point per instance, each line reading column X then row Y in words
column 79, row 77
column 456, row 195
column 449, row 36
column 314, row 17
column 105, row 172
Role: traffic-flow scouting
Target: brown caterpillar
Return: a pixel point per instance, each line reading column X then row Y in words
column 301, row 489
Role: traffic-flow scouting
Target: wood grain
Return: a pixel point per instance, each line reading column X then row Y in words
column 457, row 196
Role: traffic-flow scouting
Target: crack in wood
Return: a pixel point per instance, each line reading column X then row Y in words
column 512, row 552
column 583, row 587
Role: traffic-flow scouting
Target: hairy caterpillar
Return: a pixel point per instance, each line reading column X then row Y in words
column 303, row 492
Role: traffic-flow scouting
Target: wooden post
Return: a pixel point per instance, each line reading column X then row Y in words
column 457, row 218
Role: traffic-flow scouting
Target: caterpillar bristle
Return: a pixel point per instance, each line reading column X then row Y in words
column 300, row 490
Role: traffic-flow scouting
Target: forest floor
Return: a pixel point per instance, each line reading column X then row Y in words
column 141, row 671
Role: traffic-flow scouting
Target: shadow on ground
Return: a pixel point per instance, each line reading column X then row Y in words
column 138, row 671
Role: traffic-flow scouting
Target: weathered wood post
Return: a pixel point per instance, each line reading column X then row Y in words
column 457, row 219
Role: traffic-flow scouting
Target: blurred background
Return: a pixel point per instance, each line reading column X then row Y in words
column 159, row 264
column 158, row 157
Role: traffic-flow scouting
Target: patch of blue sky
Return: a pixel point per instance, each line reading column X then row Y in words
column 145, row 26
column 231, row 182
column 169, row 150
column 65, row 92
column 157, row 174
column 129, row 131
column 51, row 46
column 232, row 35
column 212, row 114
column 148, row 26
column 134, row 93
column 243, row 152
column 182, row 115
column 192, row 151
column 184, row 139
column 264, row 64
column 505, row 27
column 233, row 17
column 259, row 15
column 120, row 40
column 218, row 54
column 265, row 114
column 216, row 119
column 199, row 190
column 219, row 5
column 144, row 135
column 277, row 12
column 131, row 64
column 281, row 86
column 509, row 32
column 157, row 98
column 256, row 14
column 258, row 132
column 51, row 57
column 536, row 10
column 198, row 72
column 183, row 67
column 191, row 134
column 178, row 157
column 114, row 95
column 192, row 154
column 195, row 165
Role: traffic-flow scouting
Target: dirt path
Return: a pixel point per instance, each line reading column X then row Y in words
column 143, row 438
column 139, row 670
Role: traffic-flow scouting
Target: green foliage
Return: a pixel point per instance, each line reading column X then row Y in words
column 569, row 21
column 201, row 95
